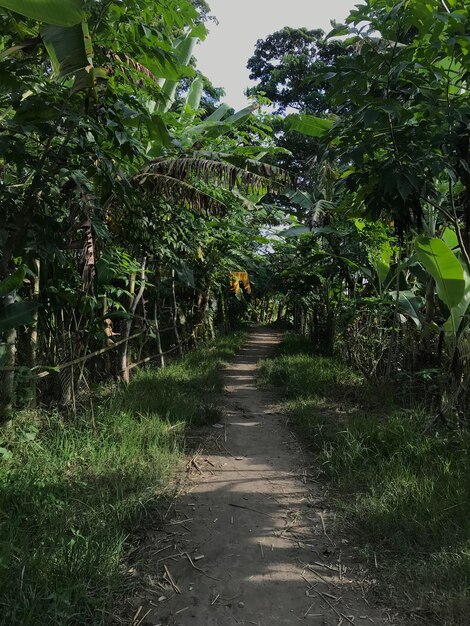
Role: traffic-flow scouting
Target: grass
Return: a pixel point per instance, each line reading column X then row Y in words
column 403, row 493
column 73, row 494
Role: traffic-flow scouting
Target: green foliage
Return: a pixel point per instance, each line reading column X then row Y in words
column 108, row 167
column 16, row 314
column 59, row 12
column 308, row 124
column 402, row 486
column 303, row 375
column 444, row 267
column 13, row 282
column 285, row 66
column 74, row 493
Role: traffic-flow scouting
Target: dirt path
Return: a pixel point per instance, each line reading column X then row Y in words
column 258, row 518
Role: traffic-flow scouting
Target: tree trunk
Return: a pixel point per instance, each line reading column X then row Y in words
column 33, row 336
column 157, row 335
column 223, row 312
column 202, row 308
column 7, row 380
column 175, row 314
column 124, row 366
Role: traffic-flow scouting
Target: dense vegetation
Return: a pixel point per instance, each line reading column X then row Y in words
column 75, row 495
column 402, row 492
column 140, row 216
column 376, row 258
column 126, row 205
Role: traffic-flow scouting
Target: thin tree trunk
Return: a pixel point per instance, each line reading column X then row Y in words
column 33, row 337
column 157, row 335
column 175, row 313
column 202, row 308
column 124, row 369
column 7, row 380
column 223, row 311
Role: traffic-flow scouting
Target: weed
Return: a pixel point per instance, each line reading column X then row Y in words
column 72, row 494
column 410, row 490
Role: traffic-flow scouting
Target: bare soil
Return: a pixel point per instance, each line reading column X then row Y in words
column 253, row 540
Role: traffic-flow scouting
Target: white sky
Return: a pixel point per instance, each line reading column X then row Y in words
column 225, row 53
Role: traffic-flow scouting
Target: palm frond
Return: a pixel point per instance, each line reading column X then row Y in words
column 179, row 191
column 125, row 61
column 318, row 211
column 220, row 173
column 273, row 175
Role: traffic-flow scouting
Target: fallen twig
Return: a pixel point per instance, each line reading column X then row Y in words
column 248, row 508
column 340, row 615
column 142, row 618
column 308, row 610
column 182, row 610
column 333, row 569
column 310, row 568
column 171, row 580
column 290, row 524
column 199, row 569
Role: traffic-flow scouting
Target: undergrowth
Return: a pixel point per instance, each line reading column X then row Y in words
column 403, row 490
column 74, row 491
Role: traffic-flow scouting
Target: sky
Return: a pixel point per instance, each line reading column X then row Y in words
column 223, row 56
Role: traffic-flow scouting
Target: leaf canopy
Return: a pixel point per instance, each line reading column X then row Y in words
column 57, row 12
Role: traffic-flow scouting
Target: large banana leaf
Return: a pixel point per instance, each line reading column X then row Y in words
column 444, row 267
column 71, row 52
column 14, row 281
column 409, row 305
column 193, row 100
column 65, row 35
column 183, row 53
column 219, row 113
column 381, row 261
column 458, row 319
column 308, row 124
column 17, row 314
column 242, row 115
column 66, row 48
column 57, row 12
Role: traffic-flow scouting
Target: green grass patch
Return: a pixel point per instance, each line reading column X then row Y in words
column 403, row 491
column 74, row 492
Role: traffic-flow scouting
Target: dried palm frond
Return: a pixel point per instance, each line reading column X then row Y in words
column 174, row 179
column 179, row 191
column 318, row 211
column 221, row 173
column 273, row 174
column 125, row 61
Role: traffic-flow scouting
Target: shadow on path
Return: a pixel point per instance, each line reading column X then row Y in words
column 250, row 543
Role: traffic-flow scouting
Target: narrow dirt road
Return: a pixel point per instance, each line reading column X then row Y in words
column 251, row 541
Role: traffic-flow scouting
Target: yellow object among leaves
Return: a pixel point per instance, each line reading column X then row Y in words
column 239, row 277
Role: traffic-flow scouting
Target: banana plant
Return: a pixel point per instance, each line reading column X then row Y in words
column 14, row 314
column 65, row 33
column 451, row 278
column 183, row 53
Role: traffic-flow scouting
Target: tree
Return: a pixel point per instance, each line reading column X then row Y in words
column 286, row 65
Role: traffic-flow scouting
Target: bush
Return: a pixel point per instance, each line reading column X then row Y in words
column 409, row 488
column 73, row 493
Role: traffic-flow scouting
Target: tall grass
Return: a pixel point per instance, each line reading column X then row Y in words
column 73, row 492
column 403, row 491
